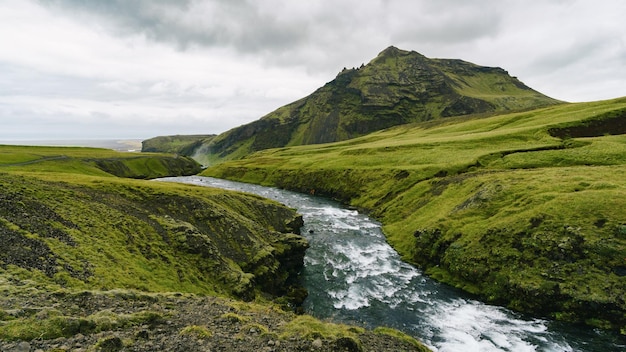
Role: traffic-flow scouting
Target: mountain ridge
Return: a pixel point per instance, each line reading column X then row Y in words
column 394, row 88
column 521, row 209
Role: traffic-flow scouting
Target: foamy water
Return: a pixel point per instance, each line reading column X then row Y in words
column 354, row 276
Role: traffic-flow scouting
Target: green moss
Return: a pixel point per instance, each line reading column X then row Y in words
column 50, row 324
column 311, row 328
column 110, row 344
column 199, row 332
column 234, row 318
column 89, row 232
column 51, row 328
column 93, row 161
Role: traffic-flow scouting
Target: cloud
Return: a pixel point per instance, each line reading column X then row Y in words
column 203, row 66
column 281, row 32
column 76, row 75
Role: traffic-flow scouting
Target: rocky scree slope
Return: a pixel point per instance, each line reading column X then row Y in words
column 397, row 87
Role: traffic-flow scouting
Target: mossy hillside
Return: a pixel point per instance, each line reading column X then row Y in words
column 496, row 205
column 94, row 161
column 103, row 233
column 557, row 250
column 187, row 145
column 100, row 262
column 395, row 88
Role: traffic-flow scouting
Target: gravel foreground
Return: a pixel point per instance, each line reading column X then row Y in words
column 131, row 321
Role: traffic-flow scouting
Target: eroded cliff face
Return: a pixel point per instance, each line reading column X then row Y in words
column 149, row 236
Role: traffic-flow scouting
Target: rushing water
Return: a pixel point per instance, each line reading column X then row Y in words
column 354, row 276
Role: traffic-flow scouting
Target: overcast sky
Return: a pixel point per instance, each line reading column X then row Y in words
column 141, row 68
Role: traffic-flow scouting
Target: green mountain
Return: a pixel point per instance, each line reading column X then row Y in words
column 180, row 144
column 523, row 209
column 395, row 88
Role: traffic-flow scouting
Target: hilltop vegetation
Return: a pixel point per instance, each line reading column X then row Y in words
column 90, row 260
column 525, row 209
column 187, row 145
column 94, row 161
column 395, row 88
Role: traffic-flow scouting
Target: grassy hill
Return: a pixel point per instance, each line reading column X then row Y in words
column 525, row 209
column 395, row 88
column 94, row 161
column 93, row 258
column 74, row 217
column 187, row 145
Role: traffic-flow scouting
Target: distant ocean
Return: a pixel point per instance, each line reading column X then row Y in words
column 125, row 145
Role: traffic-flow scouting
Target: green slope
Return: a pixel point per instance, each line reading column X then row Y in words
column 94, row 161
column 395, row 88
column 102, row 262
column 180, row 144
column 524, row 209
column 72, row 217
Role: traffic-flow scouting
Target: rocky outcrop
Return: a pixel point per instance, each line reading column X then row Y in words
column 134, row 321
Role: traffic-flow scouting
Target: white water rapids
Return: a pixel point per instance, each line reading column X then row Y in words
column 354, row 276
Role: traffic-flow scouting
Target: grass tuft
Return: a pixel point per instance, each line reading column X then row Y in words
column 311, row 328
column 401, row 336
column 199, row 332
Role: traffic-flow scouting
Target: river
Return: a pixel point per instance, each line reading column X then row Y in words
column 353, row 276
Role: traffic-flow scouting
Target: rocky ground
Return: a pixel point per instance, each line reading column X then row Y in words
column 130, row 321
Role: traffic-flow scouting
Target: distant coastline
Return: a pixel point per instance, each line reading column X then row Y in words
column 124, row 145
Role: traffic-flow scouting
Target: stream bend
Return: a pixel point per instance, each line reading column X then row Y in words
column 353, row 276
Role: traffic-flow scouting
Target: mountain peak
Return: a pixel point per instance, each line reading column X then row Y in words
column 394, row 52
column 391, row 51
column 396, row 87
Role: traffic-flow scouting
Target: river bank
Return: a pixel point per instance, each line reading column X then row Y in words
column 92, row 261
column 503, row 207
column 353, row 276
